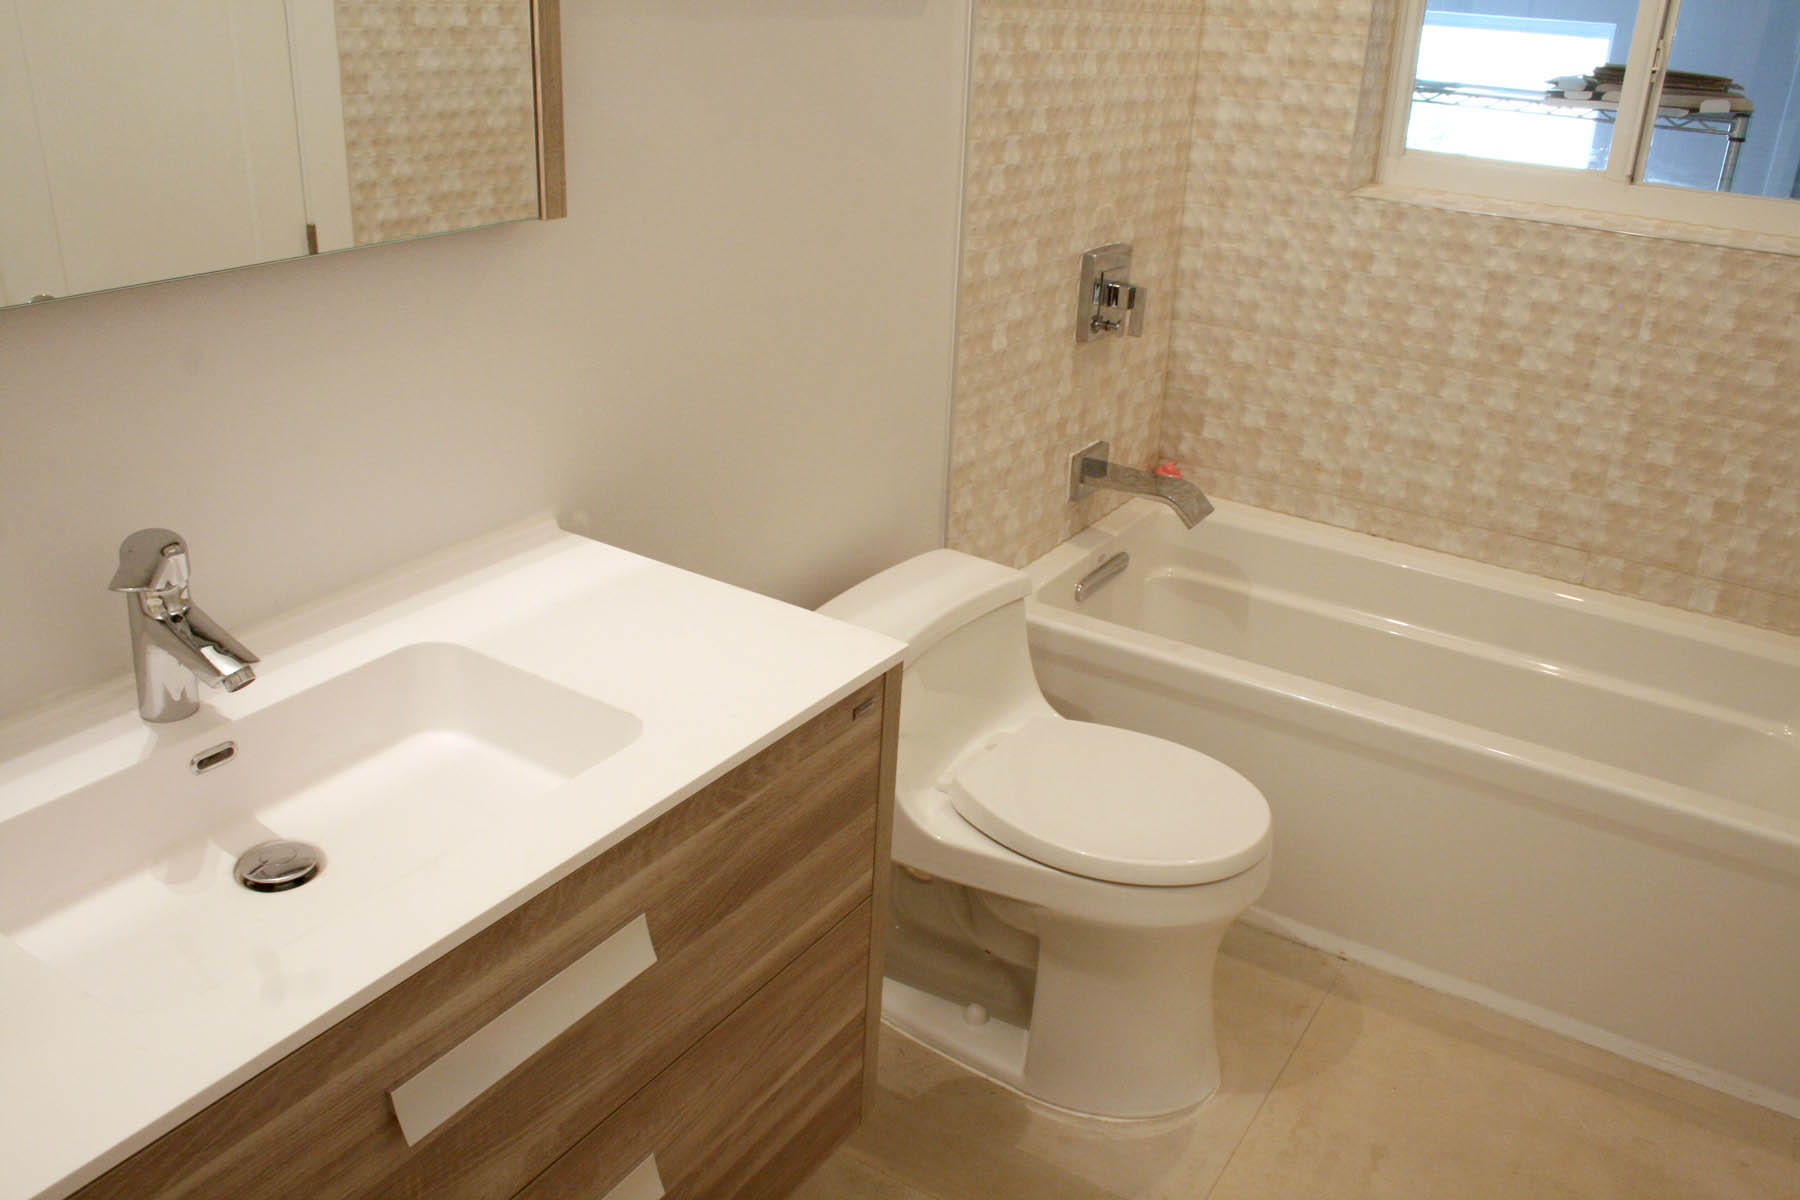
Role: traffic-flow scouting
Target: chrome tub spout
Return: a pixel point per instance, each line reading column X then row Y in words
column 1090, row 468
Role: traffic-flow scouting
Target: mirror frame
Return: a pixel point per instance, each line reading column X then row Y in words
column 546, row 45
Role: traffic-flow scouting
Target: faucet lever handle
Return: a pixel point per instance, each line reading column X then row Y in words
column 151, row 560
column 1134, row 311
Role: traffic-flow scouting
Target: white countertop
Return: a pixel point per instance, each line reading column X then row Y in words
column 715, row 674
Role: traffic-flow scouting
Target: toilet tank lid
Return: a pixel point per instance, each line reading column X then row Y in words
column 924, row 598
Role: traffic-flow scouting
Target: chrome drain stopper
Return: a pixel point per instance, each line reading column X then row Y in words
column 278, row 865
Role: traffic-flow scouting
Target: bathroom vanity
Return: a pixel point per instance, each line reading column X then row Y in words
column 654, row 973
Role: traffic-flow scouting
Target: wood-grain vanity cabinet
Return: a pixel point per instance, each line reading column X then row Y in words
column 727, row 1066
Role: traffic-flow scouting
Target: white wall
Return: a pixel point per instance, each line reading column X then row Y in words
column 734, row 355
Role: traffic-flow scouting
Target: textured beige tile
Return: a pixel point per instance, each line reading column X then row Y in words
column 959, row 1137
column 1079, row 128
column 1396, row 1091
column 1583, row 404
column 1587, row 405
column 440, row 120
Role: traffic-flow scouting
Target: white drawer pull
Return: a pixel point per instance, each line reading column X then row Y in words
column 642, row 1184
column 482, row 1059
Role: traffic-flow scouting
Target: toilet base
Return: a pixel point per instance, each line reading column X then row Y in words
column 993, row 1048
column 1122, row 1021
column 1120, row 1018
column 939, row 1026
column 1109, row 1039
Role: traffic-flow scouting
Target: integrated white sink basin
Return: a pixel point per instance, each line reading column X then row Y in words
column 125, row 886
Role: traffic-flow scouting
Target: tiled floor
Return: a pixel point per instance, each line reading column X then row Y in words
column 1338, row 1082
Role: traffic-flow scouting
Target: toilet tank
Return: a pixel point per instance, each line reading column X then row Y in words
column 927, row 598
column 968, row 666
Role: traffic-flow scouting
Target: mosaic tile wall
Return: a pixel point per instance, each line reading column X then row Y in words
column 439, row 114
column 1079, row 128
column 1617, row 411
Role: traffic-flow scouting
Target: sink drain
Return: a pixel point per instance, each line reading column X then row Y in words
column 279, row 865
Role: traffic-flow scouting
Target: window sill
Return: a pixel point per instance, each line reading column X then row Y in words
column 1557, row 214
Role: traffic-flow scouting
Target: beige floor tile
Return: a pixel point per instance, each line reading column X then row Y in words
column 1396, row 1091
column 846, row 1176
column 1475, row 1023
column 962, row 1138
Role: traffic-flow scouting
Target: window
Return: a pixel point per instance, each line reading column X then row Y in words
column 1685, row 110
column 1467, row 55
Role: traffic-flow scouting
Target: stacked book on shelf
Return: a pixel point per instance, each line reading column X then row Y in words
column 1683, row 91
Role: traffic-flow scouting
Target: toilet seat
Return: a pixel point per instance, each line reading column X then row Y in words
column 1112, row 804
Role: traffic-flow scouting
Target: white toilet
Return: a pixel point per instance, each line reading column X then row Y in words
column 1060, row 887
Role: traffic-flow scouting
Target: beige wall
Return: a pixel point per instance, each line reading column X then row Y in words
column 1078, row 135
column 1617, row 411
column 734, row 355
column 1622, row 412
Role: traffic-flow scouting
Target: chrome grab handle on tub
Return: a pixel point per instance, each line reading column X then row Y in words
column 1100, row 575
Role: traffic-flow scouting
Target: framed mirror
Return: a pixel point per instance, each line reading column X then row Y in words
column 146, row 142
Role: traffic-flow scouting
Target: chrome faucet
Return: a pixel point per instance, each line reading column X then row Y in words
column 173, row 643
column 1089, row 469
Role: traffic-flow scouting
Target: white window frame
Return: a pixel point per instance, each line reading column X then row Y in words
column 1619, row 189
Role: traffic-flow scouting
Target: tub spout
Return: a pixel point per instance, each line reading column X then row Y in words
column 1090, row 468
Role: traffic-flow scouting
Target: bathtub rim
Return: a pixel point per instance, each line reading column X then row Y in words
column 1673, row 815
column 1718, row 631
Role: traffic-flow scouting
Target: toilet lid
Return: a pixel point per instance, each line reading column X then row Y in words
column 1112, row 804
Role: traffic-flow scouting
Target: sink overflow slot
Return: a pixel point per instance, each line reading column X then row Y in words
column 213, row 756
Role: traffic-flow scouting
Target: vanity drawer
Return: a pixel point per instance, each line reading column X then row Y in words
column 751, row 1109
column 732, row 885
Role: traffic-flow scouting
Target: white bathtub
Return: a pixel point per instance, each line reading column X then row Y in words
column 1577, row 808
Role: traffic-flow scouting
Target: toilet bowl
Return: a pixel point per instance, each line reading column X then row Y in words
column 1061, row 887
